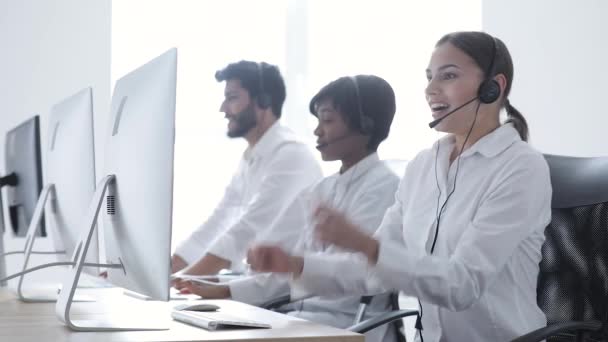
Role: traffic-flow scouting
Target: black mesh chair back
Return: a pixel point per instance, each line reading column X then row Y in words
column 573, row 280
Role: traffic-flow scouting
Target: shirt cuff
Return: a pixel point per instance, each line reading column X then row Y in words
column 312, row 277
column 241, row 290
column 392, row 260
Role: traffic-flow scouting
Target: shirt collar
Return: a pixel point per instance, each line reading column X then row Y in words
column 274, row 136
column 359, row 168
column 491, row 144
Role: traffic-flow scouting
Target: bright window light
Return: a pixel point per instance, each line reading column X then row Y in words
column 313, row 42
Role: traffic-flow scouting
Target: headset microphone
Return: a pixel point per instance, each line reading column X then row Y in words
column 436, row 122
column 333, row 141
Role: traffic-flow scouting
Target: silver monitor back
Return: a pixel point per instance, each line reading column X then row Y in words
column 2, row 259
column 70, row 167
column 139, row 151
column 23, row 157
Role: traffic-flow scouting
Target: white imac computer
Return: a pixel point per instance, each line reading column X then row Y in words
column 2, row 229
column 136, row 193
column 70, row 184
column 23, row 164
column 22, row 183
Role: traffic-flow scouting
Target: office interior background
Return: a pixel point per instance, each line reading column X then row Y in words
column 51, row 49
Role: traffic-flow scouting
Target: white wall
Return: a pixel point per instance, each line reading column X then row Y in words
column 50, row 50
column 559, row 49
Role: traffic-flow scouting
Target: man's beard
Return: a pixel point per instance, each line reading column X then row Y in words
column 245, row 121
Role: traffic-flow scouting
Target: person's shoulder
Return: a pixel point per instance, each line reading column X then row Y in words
column 383, row 172
column 294, row 155
column 293, row 150
column 422, row 159
column 285, row 135
column 522, row 161
column 380, row 178
column 523, row 155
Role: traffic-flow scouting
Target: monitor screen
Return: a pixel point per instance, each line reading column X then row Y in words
column 23, row 158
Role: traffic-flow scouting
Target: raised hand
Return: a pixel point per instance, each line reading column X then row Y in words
column 266, row 258
column 334, row 228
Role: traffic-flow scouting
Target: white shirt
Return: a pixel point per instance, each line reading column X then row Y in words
column 480, row 282
column 269, row 176
column 362, row 193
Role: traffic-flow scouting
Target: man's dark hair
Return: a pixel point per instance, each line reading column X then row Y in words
column 255, row 76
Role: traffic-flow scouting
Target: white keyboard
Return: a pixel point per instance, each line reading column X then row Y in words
column 215, row 320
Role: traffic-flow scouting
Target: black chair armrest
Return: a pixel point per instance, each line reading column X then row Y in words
column 276, row 302
column 548, row 331
column 366, row 300
column 377, row 321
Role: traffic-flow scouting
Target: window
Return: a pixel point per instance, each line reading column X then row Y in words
column 313, row 42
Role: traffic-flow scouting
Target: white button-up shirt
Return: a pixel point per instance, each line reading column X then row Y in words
column 480, row 282
column 268, row 178
column 363, row 193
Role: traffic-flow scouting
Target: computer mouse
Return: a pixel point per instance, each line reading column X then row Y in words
column 201, row 307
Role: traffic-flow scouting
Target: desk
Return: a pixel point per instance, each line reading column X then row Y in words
column 23, row 322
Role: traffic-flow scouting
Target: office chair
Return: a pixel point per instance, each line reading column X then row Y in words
column 278, row 302
column 393, row 317
column 573, row 280
column 358, row 326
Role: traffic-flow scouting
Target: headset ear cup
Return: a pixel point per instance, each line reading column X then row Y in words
column 489, row 91
column 367, row 125
column 264, row 101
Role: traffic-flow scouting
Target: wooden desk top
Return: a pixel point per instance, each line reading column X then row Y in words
column 23, row 322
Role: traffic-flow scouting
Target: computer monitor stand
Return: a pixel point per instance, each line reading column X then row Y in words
column 66, row 296
column 2, row 230
column 47, row 193
column 10, row 179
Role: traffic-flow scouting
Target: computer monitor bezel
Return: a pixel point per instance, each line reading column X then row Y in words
column 27, row 165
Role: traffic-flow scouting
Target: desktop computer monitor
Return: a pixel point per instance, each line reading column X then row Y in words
column 139, row 153
column 136, row 192
column 70, row 184
column 2, row 260
column 23, row 160
column 70, row 168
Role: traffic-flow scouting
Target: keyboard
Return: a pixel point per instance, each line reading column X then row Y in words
column 215, row 320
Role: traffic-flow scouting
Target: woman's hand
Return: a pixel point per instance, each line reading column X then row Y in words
column 274, row 259
column 334, row 228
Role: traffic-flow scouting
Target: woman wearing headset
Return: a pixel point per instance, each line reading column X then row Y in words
column 466, row 230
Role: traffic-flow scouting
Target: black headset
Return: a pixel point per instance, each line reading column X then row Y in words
column 489, row 89
column 264, row 99
column 367, row 123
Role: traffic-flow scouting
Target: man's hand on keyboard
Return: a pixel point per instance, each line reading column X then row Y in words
column 204, row 290
column 179, row 281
